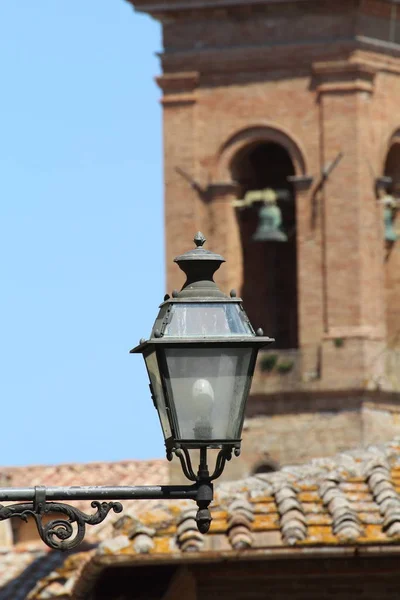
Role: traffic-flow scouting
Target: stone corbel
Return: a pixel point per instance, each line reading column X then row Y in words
column 222, row 189
column 301, row 183
column 383, row 182
column 178, row 88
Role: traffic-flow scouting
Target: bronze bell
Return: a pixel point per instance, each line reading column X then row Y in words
column 390, row 233
column 390, row 206
column 269, row 224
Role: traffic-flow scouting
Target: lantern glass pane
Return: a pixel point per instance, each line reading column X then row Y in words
column 208, row 388
column 207, row 319
column 158, row 393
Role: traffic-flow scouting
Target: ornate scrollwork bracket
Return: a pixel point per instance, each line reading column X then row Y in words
column 185, row 460
column 64, row 533
column 224, row 455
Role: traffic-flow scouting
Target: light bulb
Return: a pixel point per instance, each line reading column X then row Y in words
column 203, row 395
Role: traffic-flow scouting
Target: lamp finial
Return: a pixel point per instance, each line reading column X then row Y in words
column 199, row 239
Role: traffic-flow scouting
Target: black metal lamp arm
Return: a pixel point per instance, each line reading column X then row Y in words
column 61, row 534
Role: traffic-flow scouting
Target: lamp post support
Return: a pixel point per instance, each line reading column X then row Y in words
column 60, row 534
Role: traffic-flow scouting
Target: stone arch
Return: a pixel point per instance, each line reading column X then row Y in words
column 395, row 137
column 392, row 140
column 253, row 135
column 392, row 161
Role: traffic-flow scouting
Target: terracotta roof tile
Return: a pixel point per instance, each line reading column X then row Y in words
column 352, row 498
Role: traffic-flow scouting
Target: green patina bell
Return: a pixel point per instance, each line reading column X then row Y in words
column 269, row 225
column 390, row 234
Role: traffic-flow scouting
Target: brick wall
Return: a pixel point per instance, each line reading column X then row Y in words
column 305, row 75
column 321, row 111
column 282, row 580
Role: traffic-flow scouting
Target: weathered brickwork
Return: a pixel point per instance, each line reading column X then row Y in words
column 316, row 78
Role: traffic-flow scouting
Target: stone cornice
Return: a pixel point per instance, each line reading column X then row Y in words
column 343, row 68
column 374, row 54
column 378, row 61
column 175, row 99
column 320, row 400
column 256, row 58
column 289, row 55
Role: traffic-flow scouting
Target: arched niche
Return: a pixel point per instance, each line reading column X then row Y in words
column 392, row 163
column 269, row 281
column 265, row 466
column 392, row 265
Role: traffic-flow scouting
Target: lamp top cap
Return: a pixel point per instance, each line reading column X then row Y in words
column 199, row 253
column 199, row 266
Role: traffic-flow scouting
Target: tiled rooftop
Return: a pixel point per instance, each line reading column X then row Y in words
column 352, row 498
column 350, row 501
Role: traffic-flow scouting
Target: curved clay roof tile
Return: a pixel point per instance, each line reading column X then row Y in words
column 346, row 524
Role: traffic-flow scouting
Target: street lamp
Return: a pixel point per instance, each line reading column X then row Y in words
column 200, row 359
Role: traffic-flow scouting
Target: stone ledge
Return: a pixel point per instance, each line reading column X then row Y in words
column 319, row 402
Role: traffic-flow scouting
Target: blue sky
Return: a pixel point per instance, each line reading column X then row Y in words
column 82, row 240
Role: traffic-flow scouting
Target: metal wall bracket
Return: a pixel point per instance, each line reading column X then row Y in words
column 66, row 531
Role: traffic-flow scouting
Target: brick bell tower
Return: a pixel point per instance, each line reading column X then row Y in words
column 293, row 105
